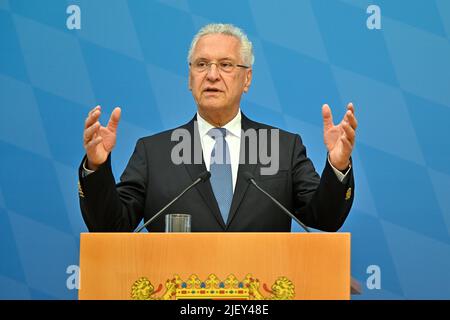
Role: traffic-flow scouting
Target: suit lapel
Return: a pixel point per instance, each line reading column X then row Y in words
column 195, row 169
column 244, row 166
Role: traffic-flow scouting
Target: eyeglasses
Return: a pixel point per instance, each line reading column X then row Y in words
column 225, row 66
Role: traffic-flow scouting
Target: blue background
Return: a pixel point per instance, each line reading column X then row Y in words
column 133, row 54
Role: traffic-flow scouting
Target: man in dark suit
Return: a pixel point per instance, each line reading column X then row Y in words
column 220, row 60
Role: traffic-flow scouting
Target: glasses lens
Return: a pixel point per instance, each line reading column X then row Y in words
column 200, row 66
column 226, row 66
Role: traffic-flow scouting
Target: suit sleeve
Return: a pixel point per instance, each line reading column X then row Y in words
column 109, row 207
column 321, row 202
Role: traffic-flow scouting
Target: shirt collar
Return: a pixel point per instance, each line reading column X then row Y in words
column 233, row 127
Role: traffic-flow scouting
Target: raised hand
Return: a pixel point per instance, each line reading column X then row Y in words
column 339, row 139
column 98, row 141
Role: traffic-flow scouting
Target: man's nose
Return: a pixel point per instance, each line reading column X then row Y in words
column 212, row 72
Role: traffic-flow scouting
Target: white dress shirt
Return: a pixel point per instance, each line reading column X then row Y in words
column 233, row 139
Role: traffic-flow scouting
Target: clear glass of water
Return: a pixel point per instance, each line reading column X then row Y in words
column 178, row 222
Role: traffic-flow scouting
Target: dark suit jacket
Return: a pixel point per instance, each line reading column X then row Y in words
column 151, row 180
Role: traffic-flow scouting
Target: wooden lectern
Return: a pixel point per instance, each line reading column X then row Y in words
column 215, row 266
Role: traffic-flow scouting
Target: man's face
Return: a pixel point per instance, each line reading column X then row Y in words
column 213, row 89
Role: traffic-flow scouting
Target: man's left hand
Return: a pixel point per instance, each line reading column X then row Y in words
column 339, row 139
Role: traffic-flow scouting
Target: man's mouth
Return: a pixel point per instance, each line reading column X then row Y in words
column 212, row 90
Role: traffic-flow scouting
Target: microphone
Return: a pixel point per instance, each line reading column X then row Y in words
column 248, row 176
column 203, row 177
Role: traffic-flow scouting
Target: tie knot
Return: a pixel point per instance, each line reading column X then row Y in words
column 217, row 133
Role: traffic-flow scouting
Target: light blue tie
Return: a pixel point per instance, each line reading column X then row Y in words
column 220, row 168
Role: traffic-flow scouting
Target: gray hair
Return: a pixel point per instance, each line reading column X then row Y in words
column 228, row 29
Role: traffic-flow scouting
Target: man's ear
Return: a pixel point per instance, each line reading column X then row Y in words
column 248, row 80
column 189, row 82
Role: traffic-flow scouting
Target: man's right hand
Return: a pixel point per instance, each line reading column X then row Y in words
column 98, row 141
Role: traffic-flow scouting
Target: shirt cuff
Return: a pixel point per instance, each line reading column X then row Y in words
column 341, row 176
column 86, row 172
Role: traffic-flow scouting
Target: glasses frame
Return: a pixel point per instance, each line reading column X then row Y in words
column 208, row 66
